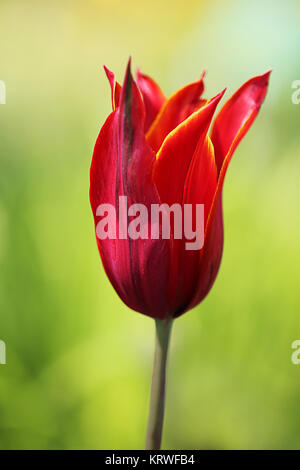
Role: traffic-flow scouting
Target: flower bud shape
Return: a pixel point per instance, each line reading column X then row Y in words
column 156, row 184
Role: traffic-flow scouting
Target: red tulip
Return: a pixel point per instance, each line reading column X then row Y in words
column 155, row 150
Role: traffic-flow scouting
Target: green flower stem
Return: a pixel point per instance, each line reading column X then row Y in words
column 157, row 399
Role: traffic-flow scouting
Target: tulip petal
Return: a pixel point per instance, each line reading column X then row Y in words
column 200, row 186
column 184, row 172
column 210, row 256
column 201, row 181
column 175, row 155
column 152, row 95
column 115, row 88
column 237, row 115
column 175, row 110
column 122, row 166
column 255, row 91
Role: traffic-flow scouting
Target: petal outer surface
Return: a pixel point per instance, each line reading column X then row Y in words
column 240, row 109
column 214, row 233
column 152, row 95
column 199, row 188
column 175, row 155
column 175, row 110
column 115, row 88
column 122, row 166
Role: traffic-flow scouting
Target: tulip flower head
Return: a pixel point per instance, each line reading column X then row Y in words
column 156, row 188
column 156, row 194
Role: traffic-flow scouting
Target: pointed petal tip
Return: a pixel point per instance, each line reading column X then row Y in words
column 140, row 75
column 129, row 62
column 261, row 81
column 128, row 71
column 216, row 99
column 108, row 72
column 127, row 81
column 265, row 77
column 222, row 93
column 130, row 93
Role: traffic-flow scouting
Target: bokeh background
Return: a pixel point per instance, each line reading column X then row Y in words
column 78, row 361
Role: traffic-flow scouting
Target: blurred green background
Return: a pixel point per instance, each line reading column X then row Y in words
column 78, row 361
